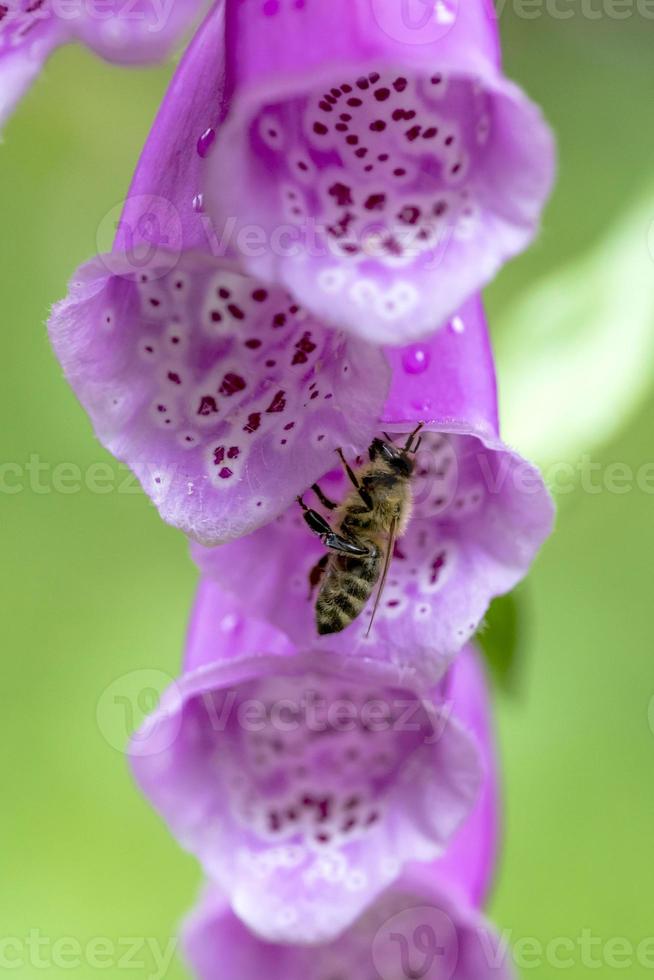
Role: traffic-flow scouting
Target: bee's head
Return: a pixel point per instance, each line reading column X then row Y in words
column 395, row 458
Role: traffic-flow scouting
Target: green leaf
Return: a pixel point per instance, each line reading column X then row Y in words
column 576, row 353
column 501, row 639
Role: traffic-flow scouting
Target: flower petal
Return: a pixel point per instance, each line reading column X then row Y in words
column 392, row 176
column 27, row 37
column 302, row 784
column 134, row 33
column 223, row 396
column 164, row 204
column 414, row 922
column 480, row 515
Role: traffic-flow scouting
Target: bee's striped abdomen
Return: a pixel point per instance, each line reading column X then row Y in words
column 346, row 588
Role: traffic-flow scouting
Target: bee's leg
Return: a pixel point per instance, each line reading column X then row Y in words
column 330, row 539
column 409, row 442
column 325, row 501
column 365, row 496
column 316, row 574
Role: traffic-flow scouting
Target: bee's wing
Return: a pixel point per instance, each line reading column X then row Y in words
column 387, row 564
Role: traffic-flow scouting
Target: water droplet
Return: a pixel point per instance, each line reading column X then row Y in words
column 415, row 360
column 457, row 325
column 198, row 203
column 206, row 141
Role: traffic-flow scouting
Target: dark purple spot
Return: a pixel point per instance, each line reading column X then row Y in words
column 409, row 214
column 325, row 106
column 363, row 84
column 407, row 114
column 430, row 133
column 361, row 152
column 278, row 404
column 174, row 377
column 378, row 126
column 208, row 405
column 218, row 455
column 319, row 128
column 225, row 473
column 341, row 193
column 354, row 102
column 382, row 94
column 303, row 348
column 375, row 202
column 253, row 422
column 233, row 452
column 279, row 319
column 341, row 127
column 224, row 293
column 352, row 140
column 260, row 295
column 236, row 311
column 253, row 343
column 400, row 84
column 216, row 317
column 231, row 384
column 413, row 133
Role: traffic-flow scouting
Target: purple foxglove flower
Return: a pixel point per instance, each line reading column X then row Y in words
column 302, row 783
column 415, row 929
column 480, row 513
column 120, row 31
column 223, row 395
column 386, row 161
column 427, row 919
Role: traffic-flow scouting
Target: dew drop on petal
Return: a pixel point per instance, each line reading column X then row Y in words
column 415, row 360
column 457, row 325
column 205, row 142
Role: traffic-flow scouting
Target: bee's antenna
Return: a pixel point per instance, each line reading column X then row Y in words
column 417, row 447
column 407, row 446
column 388, row 438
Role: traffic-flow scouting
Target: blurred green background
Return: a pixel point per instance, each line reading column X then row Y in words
column 93, row 586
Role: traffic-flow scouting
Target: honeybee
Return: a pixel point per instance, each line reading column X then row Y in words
column 361, row 541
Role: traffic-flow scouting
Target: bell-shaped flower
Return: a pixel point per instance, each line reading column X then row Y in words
column 304, row 784
column 480, row 513
column 387, row 164
column 223, row 395
column 126, row 33
column 426, row 924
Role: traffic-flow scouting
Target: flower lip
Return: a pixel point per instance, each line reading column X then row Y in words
column 224, row 396
column 480, row 513
column 397, row 210
column 293, row 812
column 413, row 921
